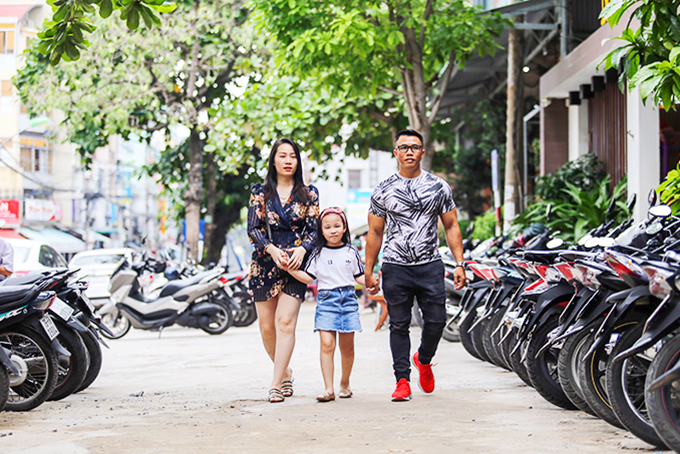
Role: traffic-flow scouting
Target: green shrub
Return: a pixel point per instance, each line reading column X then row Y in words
column 669, row 190
column 485, row 225
column 577, row 211
column 586, row 173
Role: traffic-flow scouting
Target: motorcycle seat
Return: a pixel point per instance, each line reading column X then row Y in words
column 12, row 295
column 175, row 286
column 30, row 278
column 547, row 257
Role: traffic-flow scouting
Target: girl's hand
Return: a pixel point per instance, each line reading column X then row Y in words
column 296, row 258
column 280, row 258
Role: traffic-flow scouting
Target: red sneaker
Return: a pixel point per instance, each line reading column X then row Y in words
column 403, row 391
column 425, row 375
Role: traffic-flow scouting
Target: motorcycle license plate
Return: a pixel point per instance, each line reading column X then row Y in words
column 63, row 310
column 50, row 329
column 88, row 303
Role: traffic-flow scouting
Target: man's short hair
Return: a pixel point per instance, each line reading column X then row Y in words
column 411, row 133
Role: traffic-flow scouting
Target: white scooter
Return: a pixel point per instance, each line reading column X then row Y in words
column 190, row 302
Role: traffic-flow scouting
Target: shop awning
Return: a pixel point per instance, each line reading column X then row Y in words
column 9, row 233
column 15, row 12
column 97, row 237
column 61, row 241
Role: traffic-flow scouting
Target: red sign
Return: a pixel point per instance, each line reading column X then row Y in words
column 10, row 212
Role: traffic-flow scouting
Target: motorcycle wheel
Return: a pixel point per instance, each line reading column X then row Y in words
column 626, row 388
column 95, row 353
column 466, row 337
column 478, row 340
column 542, row 368
column 567, row 369
column 663, row 403
column 249, row 312
column 116, row 322
column 4, row 387
column 72, row 369
column 518, row 366
column 592, row 374
column 37, row 364
column 220, row 322
column 490, row 341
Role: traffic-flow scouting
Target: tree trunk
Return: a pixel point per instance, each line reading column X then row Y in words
column 224, row 219
column 511, row 192
column 193, row 196
column 211, row 196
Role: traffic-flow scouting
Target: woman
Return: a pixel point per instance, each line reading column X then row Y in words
column 282, row 224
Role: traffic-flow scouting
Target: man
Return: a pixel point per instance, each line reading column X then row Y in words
column 6, row 259
column 409, row 203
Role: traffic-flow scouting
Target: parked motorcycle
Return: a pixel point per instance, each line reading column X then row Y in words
column 191, row 302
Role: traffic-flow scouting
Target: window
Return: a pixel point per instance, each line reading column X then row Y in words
column 50, row 258
column 6, row 38
column 353, row 179
column 36, row 155
column 6, row 88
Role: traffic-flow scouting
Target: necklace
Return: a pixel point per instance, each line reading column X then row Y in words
column 283, row 196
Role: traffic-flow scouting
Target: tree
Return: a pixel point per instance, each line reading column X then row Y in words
column 409, row 49
column 469, row 164
column 147, row 81
column 650, row 58
column 64, row 36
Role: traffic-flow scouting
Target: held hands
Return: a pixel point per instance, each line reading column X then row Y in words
column 281, row 259
column 296, row 257
column 372, row 284
column 459, row 278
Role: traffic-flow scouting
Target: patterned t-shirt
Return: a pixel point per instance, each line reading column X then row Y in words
column 411, row 208
column 335, row 267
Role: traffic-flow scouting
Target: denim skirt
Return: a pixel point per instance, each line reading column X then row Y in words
column 337, row 310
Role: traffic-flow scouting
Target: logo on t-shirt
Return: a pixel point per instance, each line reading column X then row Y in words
column 330, row 262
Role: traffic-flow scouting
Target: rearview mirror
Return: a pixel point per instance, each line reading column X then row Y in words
column 651, row 198
column 555, row 243
column 610, row 209
column 548, row 210
column 660, row 211
column 631, row 203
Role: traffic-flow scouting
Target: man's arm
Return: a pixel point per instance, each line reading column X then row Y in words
column 4, row 271
column 455, row 242
column 374, row 238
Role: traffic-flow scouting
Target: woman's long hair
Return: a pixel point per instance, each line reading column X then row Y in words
column 320, row 239
column 299, row 189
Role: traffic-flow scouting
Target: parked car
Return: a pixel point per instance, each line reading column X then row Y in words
column 32, row 255
column 96, row 267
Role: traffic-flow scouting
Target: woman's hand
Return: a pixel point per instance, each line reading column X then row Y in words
column 296, row 258
column 281, row 259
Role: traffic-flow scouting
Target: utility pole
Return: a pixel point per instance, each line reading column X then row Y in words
column 511, row 187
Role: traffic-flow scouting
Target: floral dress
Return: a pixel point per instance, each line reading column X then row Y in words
column 292, row 224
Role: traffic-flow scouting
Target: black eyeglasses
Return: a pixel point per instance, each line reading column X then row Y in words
column 413, row 148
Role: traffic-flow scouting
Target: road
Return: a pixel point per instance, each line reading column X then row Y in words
column 188, row 392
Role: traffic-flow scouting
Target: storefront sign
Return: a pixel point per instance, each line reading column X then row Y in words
column 42, row 210
column 10, row 212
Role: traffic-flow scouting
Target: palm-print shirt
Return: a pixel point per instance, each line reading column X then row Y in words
column 292, row 224
column 411, row 208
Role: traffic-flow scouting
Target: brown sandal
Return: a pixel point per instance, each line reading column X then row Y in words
column 325, row 397
column 275, row 396
column 345, row 393
column 287, row 388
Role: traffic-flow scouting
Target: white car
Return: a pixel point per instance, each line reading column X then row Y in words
column 32, row 255
column 96, row 267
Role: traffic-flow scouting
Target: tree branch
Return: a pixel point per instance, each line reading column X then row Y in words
column 442, row 89
column 428, row 12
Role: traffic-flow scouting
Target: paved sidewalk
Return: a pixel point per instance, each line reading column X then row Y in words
column 189, row 392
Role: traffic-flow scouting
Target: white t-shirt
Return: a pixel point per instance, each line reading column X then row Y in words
column 336, row 267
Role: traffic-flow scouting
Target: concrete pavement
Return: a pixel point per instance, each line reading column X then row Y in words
column 190, row 392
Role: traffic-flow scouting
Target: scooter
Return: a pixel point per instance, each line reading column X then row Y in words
column 190, row 302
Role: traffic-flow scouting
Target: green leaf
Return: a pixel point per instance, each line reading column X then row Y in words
column 105, row 8
column 133, row 19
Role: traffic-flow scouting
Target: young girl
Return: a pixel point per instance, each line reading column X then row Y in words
column 336, row 264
